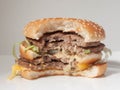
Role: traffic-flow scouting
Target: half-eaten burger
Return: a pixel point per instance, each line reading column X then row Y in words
column 61, row 46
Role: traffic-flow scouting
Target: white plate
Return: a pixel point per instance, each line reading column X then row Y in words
column 111, row 80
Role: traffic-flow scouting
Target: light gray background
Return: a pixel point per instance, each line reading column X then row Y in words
column 15, row 14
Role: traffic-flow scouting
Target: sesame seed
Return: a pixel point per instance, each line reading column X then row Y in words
column 84, row 25
column 99, row 35
column 96, row 28
column 30, row 65
column 88, row 24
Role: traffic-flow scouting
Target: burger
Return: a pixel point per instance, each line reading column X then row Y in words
column 61, row 46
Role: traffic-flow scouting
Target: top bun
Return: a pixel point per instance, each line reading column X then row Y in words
column 90, row 31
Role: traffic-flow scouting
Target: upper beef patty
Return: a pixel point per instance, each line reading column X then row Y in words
column 69, row 42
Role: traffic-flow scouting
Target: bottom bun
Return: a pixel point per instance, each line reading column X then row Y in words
column 95, row 71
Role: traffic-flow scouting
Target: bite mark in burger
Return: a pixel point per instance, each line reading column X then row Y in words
column 61, row 46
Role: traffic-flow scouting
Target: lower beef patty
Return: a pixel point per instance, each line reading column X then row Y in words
column 42, row 66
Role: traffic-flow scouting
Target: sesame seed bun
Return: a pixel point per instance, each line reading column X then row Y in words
column 90, row 31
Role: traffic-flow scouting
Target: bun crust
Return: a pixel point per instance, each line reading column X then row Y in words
column 89, row 30
column 94, row 71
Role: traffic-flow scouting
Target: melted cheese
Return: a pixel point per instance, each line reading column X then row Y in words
column 16, row 69
column 82, row 66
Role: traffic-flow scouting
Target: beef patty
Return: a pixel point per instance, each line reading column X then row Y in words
column 39, row 64
column 65, row 41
